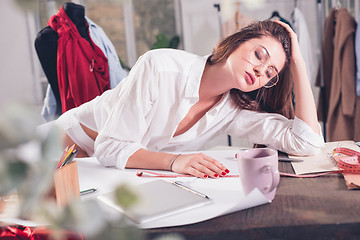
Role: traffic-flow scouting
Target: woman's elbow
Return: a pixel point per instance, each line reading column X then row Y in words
column 307, row 148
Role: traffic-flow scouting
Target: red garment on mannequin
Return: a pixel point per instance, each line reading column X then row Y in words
column 82, row 68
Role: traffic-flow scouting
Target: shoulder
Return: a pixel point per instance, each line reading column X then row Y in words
column 168, row 53
column 166, row 59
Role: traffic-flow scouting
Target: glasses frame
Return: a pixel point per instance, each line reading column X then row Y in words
column 270, row 83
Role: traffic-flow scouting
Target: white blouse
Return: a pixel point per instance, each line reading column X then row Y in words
column 144, row 110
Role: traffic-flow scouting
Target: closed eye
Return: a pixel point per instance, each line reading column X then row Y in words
column 271, row 72
column 257, row 55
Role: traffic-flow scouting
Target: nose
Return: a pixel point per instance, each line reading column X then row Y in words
column 259, row 70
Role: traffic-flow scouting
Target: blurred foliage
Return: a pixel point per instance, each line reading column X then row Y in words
column 17, row 125
column 163, row 42
column 152, row 18
column 125, row 197
column 29, row 154
column 170, row 236
column 11, row 175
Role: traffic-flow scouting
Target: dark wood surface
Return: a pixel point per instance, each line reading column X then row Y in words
column 303, row 208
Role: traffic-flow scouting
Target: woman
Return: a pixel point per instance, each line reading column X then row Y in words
column 175, row 101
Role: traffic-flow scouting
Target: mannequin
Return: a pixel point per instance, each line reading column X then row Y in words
column 46, row 47
column 77, row 15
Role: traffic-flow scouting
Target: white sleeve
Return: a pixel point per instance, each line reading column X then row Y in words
column 276, row 131
column 123, row 131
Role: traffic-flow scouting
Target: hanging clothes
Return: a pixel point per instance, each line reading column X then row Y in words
column 82, row 67
column 357, row 54
column 301, row 29
column 99, row 37
column 276, row 15
column 116, row 72
column 49, row 108
column 235, row 23
column 342, row 106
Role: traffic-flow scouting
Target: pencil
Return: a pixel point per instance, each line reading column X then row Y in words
column 70, row 158
column 69, row 151
column 63, row 156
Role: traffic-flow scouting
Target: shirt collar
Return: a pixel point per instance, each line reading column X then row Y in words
column 90, row 22
column 194, row 79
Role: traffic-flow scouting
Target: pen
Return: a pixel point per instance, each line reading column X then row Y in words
column 87, row 191
column 177, row 183
column 285, row 159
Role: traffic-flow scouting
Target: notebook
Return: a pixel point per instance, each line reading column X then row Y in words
column 158, row 199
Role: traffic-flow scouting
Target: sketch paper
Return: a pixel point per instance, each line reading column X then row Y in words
column 322, row 162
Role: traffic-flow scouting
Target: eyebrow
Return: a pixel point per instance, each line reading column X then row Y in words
column 270, row 57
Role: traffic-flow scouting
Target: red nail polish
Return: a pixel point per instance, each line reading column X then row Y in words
column 223, row 173
column 216, row 175
column 205, row 176
column 227, row 170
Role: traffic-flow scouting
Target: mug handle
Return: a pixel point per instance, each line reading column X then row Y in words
column 275, row 176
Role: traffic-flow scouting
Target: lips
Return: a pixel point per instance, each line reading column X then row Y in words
column 249, row 78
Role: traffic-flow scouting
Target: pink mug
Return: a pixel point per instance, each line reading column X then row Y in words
column 258, row 168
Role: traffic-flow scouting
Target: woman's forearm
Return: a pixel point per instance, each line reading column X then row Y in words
column 305, row 107
column 196, row 164
column 150, row 160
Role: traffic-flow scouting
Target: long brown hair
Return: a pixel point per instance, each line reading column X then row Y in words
column 277, row 99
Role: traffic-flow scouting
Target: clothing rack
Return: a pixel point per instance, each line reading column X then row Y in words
column 321, row 22
column 321, row 9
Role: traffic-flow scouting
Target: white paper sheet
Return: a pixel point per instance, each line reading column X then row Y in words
column 321, row 162
column 226, row 193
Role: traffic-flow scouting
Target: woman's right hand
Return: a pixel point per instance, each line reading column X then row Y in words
column 199, row 165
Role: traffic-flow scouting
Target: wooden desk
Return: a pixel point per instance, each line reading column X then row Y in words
column 312, row 208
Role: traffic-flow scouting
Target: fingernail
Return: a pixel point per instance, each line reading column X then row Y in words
column 227, row 170
column 216, row 175
column 205, row 176
column 223, row 173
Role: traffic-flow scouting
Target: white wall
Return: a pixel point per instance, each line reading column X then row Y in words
column 20, row 73
column 200, row 26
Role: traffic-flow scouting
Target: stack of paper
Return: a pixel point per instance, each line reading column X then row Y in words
column 323, row 162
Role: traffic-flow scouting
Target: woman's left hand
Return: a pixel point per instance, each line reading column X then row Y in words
column 199, row 165
column 304, row 99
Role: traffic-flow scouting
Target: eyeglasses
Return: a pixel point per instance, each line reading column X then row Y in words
column 259, row 56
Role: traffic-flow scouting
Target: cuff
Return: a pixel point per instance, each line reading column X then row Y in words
column 305, row 132
column 124, row 157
